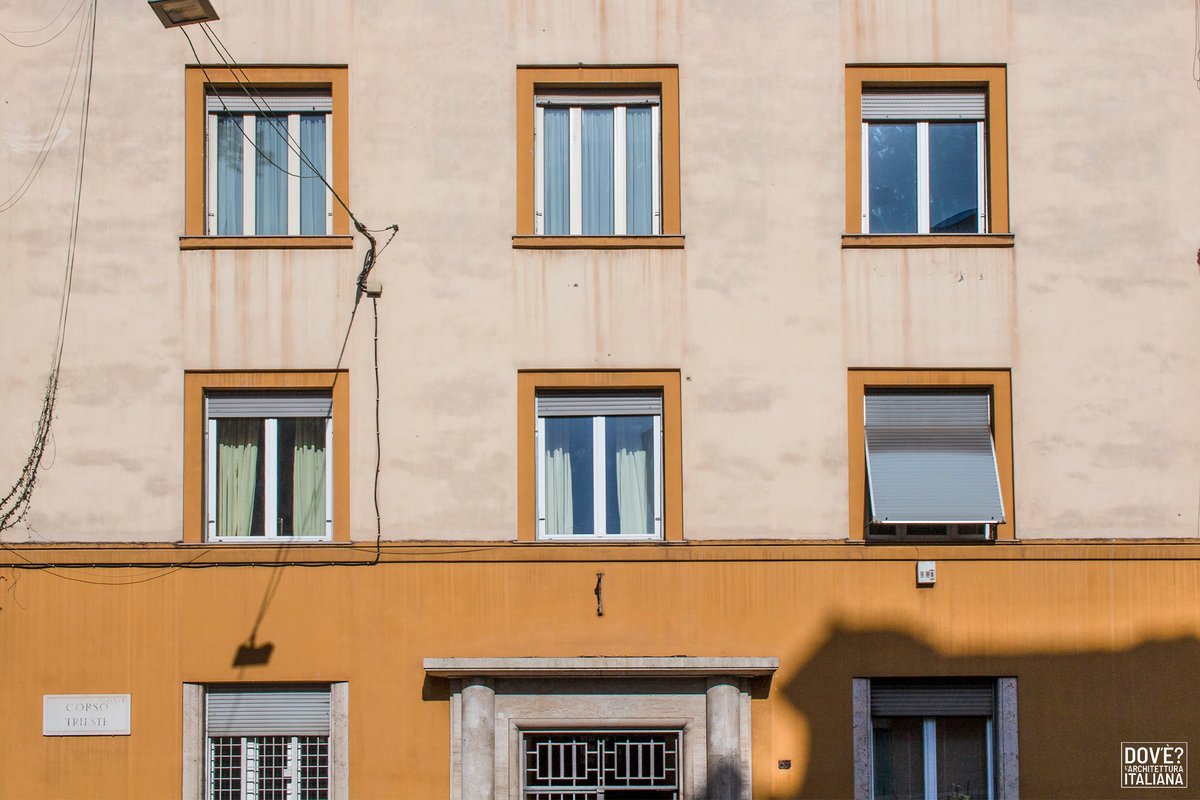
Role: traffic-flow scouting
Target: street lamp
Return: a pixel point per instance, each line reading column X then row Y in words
column 173, row 13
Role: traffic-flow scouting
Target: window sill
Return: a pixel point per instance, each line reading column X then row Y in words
column 278, row 541
column 851, row 241
column 672, row 241
column 874, row 541
column 266, row 242
column 610, row 538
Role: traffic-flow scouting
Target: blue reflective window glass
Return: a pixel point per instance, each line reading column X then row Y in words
column 953, row 177
column 892, row 171
column 639, row 171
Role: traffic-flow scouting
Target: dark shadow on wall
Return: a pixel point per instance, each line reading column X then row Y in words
column 250, row 653
column 1073, row 708
column 725, row 784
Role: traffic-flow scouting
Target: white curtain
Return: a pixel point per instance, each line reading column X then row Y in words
column 560, row 504
column 312, row 169
column 639, row 171
column 270, row 186
column 237, row 475
column 308, row 478
column 229, row 175
column 556, row 172
column 598, row 172
column 633, row 484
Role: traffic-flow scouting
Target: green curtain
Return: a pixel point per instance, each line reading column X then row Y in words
column 237, row 478
column 308, row 479
column 560, row 504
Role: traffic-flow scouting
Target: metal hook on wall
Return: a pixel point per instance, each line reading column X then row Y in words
column 599, row 592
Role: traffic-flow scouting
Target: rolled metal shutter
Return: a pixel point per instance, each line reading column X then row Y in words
column 268, row 712
column 923, row 106
column 236, row 100
column 591, row 404
column 269, row 404
column 595, row 99
column 932, row 699
column 931, row 459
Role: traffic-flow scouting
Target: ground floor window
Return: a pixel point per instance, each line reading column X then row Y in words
column 601, row 765
column 265, row 742
column 936, row 739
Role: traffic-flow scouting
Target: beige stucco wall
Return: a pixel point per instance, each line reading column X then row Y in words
column 1094, row 309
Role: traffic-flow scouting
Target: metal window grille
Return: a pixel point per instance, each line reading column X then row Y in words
column 268, row 767
column 599, row 765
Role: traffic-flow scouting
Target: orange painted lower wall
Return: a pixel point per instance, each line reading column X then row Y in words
column 1104, row 641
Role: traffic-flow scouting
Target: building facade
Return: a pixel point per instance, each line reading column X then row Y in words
column 754, row 400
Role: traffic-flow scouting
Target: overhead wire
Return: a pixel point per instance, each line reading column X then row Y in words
column 60, row 112
column 369, row 261
column 47, row 25
column 263, row 106
column 369, row 258
column 4, row 32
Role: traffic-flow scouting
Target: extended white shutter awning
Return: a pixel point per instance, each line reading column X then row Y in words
column 931, row 459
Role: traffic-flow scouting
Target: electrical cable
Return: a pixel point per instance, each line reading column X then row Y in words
column 15, row 504
column 378, row 449
column 47, row 25
column 369, row 261
column 247, row 86
column 67, row 24
column 1196, row 45
column 261, row 104
column 55, row 125
column 261, row 154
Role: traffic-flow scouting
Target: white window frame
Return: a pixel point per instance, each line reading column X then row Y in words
column 575, row 103
column 249, row 123
column 923, row 176
column 270, row 482
column 599, row 485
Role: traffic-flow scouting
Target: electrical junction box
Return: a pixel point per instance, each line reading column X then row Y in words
column 926, row 573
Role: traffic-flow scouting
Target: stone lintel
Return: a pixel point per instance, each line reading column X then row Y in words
column 601, row 667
